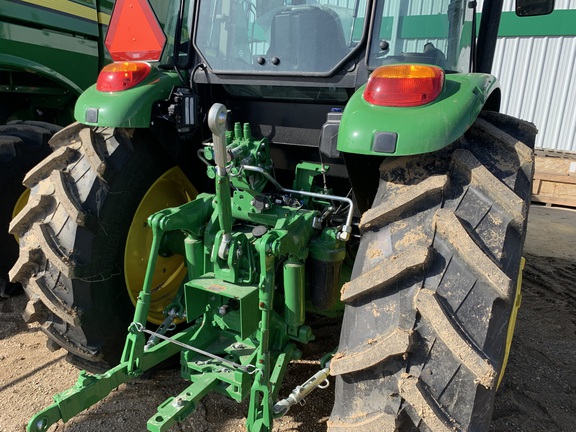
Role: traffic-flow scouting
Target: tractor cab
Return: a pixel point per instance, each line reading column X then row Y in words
column 323, row 38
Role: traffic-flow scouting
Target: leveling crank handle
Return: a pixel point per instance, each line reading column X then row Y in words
column 217, row 123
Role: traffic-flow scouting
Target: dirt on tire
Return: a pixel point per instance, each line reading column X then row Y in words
column 424, row 331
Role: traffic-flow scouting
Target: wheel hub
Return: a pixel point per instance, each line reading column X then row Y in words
column 170, row 190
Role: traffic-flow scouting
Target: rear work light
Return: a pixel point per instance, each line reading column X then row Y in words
column 121, row 76
column 404, row 85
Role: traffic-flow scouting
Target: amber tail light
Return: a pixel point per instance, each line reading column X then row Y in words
column 404, row 85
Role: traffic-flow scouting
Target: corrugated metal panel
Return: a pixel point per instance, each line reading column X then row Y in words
column 421, row 7
column 537, row 85
column 536, row 77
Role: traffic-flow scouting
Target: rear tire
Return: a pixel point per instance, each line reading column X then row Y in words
column 22, row 145
column 73, row 233
column 432, row 290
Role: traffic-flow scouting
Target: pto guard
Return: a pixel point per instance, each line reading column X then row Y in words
column 130, row 108
column 370, row 129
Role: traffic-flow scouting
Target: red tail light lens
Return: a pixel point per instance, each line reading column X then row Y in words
column 121, row 76
column 404, row 85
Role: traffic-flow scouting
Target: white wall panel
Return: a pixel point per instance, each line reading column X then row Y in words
column 538, row 84
column 538, row 81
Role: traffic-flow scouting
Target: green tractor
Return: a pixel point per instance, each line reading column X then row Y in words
column 50, row 53
column 254, row 164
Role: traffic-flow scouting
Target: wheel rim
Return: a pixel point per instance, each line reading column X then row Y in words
column 20, row 204
column 512, row 322
column 172, row 189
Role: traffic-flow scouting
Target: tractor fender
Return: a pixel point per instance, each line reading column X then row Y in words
column 129, row 108
column 23, row 64
column 392, row 131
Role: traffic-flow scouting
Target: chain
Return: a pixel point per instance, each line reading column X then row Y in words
column 250, row 369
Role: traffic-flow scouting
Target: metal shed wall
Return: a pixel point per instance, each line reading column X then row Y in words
column 535, row 65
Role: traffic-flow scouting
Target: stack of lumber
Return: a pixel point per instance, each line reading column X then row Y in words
column 555, row 178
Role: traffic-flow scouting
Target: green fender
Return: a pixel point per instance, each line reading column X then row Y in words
column 11, row 62
column 391, row 131
column 130, row 108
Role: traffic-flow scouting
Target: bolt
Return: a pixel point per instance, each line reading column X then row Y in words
column 238, row 346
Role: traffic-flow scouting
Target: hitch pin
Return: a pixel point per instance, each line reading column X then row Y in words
column 319, row 379
column 167, row 325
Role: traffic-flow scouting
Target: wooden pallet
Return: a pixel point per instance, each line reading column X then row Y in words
column 555, row 179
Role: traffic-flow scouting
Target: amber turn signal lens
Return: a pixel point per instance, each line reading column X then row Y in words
column 121, row 76
column 404, row 85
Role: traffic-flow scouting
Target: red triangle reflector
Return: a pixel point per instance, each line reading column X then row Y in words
column 134, row 32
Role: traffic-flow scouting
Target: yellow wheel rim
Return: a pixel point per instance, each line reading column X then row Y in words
column 512, row 322
column 20, row 204
column 172, row 189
